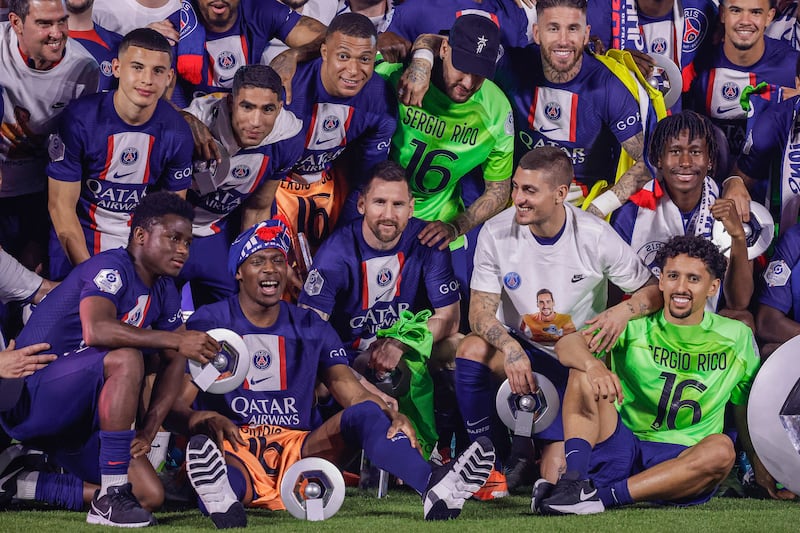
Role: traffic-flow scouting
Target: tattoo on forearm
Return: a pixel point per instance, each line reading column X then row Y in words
column 630, row 308
column 492, row 201
column 418, row 71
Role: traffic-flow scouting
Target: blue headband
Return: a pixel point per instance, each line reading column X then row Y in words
column 267, row 234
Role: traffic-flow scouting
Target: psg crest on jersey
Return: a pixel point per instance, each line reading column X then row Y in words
column 105, row 68
column 330, row 123
column 659, row 46
column 240, row 172
column 262, row 359
column 730, row 91
column 226, row 60
column 512, row 280
column 384, row 277
column 552, row 111
column 129, row 156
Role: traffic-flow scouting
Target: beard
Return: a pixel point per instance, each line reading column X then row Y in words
column 78, row 7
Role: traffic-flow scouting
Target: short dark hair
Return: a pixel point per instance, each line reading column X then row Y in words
column 698, row 126
column 156, row 206
column 146, row 38
column 388, row 170
column 541, row 5
column 352, row 25
column 544, row 291
column 553, row 161
column 20, row 8
column 259, row 76
column 772, row 3
column 696, row 247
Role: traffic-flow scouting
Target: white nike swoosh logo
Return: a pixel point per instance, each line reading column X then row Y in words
column 570, row 453
column 473, row 424
column 106, row 515
column 585, row 496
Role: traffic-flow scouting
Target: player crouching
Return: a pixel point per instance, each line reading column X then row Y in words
column 268, row 423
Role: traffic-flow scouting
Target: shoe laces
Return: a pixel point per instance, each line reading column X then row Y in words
column 123, row 498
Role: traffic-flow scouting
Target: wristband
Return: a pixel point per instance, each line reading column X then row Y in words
column 423, row 53
column 729, row 178
column 606, row 203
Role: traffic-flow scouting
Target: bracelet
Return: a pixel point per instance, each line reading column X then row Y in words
column 606, row 202
column 423, row 53
column 729, row 178
column 456, row 233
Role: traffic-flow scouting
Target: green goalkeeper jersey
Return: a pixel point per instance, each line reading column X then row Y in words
column 678, row 379
column 442, row 141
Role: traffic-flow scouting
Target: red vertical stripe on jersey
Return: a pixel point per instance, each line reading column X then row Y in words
column 282, row 355
column 96, row 241
column 312, row 125
column 532, row 110
column 364, row 286
column 260, row 176
column 109, row 158
column 401, row 258
column 710, row 89
column 146, row 176
column 573, row 117
column 347, row 125
column 244, row 49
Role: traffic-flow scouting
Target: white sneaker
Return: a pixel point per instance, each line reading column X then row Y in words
column 208, row 474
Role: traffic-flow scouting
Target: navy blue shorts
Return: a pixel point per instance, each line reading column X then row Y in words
column 623, row 455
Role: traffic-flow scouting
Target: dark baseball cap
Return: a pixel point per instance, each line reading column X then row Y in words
column 475, row 43
column 10, row 392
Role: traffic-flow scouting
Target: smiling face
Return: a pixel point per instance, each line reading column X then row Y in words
column 745, row 22
column 43, row 34
column 684, row 164
column 143, row 77
column 561, row 32
column 387, row 206
column 536, row 198
column 218, row 15
column 545, row 303
column 347, row 63
column 457, row 85
column 253, row 114
column 262, row 278
column 686, row 284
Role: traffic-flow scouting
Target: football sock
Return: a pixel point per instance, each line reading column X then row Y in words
column 115, row 456
column 578, row 453
column 158, row 450
column 365, row 425
column 615, row 495
column 476, row 399
column 63, row 490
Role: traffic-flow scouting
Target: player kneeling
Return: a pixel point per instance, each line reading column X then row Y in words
column 269, row 422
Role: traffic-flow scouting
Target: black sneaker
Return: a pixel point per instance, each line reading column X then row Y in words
column 208, row 474
column 14, row 461
column 520, row 472
column 573, row 496
column 119, row 508
column 452, row 484
column 541, row 491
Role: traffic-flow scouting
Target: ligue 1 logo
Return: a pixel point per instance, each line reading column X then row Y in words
column 129, row 156
column 226, row 60
column 730, row 91
column 384, row 277
column 330, row 123
column 512, row 280
column 262, row 359
column 659, row 46
column 240, row 172
column 105, row 68
column 552, row 111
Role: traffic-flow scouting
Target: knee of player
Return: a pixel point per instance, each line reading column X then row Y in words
column 150, row 496
column 124, row 361
column 475, row 349
column 717, row 455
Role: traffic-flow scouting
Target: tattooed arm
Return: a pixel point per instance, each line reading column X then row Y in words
column 416, row 78
column 633, row 179
column 491, row 202
column 483, row 321
column 303, row 41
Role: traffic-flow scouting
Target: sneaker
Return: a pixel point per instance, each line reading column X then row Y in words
column 14, row 461
column 541, row 490
column 452, row 484
column 120, row 508
column 495, row 487
column 520, row 472
column 573, row 496
column 208, row 474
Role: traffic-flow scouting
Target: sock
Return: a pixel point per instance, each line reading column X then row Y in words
column 63, row 490
column 158, row 450
column 578, row 453
column 115, row 456
column 364, row 425
column 476, row 399
column 615, row 495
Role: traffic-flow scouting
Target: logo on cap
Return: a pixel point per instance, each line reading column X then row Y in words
column 482, row 41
